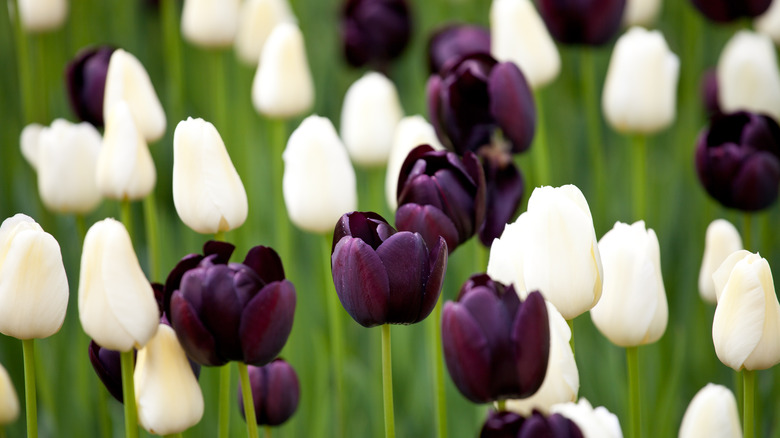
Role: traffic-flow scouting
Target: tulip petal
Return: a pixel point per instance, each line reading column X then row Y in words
column 512, row 105
column 466, row 352
column 196, row 340
column 504, row 188
column 266, row 322
column 433, row 91
column 531, row 337
column 434, row 279
column 756, row 185
column 361, row 281
column 266, row 262
column 405, row 258
column 173, row 281
column 221, row 309
column 108, row 368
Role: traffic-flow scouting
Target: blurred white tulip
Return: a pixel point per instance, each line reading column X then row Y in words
column 769, row 22
column 42, row 15
column 641, row 12
column 256, row 20
column 210, row 23
column 410, row 132
column 9, row 401
column 593, row 422
column 711, row 414
column 722, row 239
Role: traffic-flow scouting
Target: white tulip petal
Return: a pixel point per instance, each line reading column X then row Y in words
column 769, row 22
column 712, row 413
column 9, row 401
column 210, row 23
column 410, row 132
column 593, row 423
column 641, row 12
column 504, row 263
column 721, row 275
column 42, row 15
column 28, row 141
column 721, row 240
column 256, row 20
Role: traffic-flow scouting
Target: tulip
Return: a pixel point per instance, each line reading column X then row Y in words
column 441, row 194
column 107, row 366
column 509, row 425
column 746, row 324
column 711, row 413
column 589, row 22
column 384, row 276
column 641, row 12
column 210, row 23
column 369, row 116
column 116, row 302
column 709, row 93
column 28, row 143
column 256, row 20
column 504, row 189
column 722, row 239
column 594, row 423
column 552, row 248
column 125, row 170
column 127, row 80
column 519, row 35
column 501, row 424
column 768, row 23
column 452, row 42
column 748, row 75
column 275, row 392
column 641, row 85
column 319, row 182
column 85, row 77
column 495, row 346
column 374, row 32
column 9, row 402
column 42, row 15
column 632, row 310
column 723, row 11
column 207, row 191
column 471, row 98
column 738, row 160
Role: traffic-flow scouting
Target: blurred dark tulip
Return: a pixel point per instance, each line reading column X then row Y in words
column 495, row 346
column 455, row 41
column 502, row 424
column 441, row 194
column 384, row 276
column 738, row 160
column 723, row 11
column 505, row 188
column 238, row 311
column 554, row 426
column 275, row 392
column 588, row 22
column 108, row 368
column 85, row 80
column 374, row 32
column 473, row 96
column 709, row 93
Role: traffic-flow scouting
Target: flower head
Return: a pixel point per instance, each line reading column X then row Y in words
column 85, row 77
column 374, row 32
column 275, row 392
column 589, row 22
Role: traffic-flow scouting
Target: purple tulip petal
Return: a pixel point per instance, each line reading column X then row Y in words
column 193, row 335
column 405, row 258
column 266, row 323
column 723, row 11
column 502, row 424
column 504, row 193
column 531, row 338
column 107, row 366
column 223, row 251
column 512, row 105
column 221, row 310
column 409, row 163
column 434, row 279
column 591, row 22
column 361, row 281
column 756, row 185
column 173, row 281
column 456, row 41
column 563, row 427
column 266, row 262
column 430, row 222
column 370, row 227
column 466, row 353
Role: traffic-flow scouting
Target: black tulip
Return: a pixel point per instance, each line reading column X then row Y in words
column 275, row 392
column 588, row 22
column 85, row 77
column 455, row 41
column 723, row 11
column 504, row 192
column 374, row 32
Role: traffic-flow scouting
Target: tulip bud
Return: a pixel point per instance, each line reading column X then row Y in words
column 501, row 424
column 275, row 392
column 723, row 11
column 256, row 20
column 453, row 42
column 504, row 189
column 85, row 77
column 319, row 182
column 711, row 413
column 374, row 31
column 709, row 93
column 641, row 85
column 108, row 367
column 42, row 15
column 34, row 288
column 283, row 86
column 28, row 142
column 748, row 76
column 509, row 425
column 589, row 22
column 116, row 302
column 769, row 22
column 641, row 12
column 745, row 325
column 127, row 80
column 594, row 423
column 9, row 402
column 721, row 241
column 210, row 23
column 519, row 35
column 207, row 191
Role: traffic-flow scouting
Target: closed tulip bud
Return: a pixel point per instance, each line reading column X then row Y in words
column 594, row 423
column 768, row 23
column 504, row 190
column 125, row 170
column 383, row 276
column 9, row 402
column 746, row 324
column 28, row 143
column 108, row 367
column 210, row 23
column 42, row 15
column 116, row 302
column 519, row 35
column 34, row 288
column 374, row 32
column 256, row 20
column 167, row 393
column 722, row 239
column 501, row 424
column 723, row 11
column 275, row 392
column 452, row 42
column 319, row 181
column 207, row 191
column 85, row 77
column 711, row 413
column 509, row 425
column 641, row 12
column 495, row 346
column 589, row 22
column 748, row 76
column 738, row 160
column 127, row 80
column 709, row 93
column 641, row 86
column 283, row 86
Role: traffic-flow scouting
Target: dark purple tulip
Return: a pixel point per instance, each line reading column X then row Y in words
column 384, row 276
column 441, row 194
column 724, row 11
column 455, row 41
column 495, row 346
column 374, row 32
column 502, row 424
column 85, row 78
column 554, row 426
column 108, row 368
column 504, row 184
column 275, row 392
column 588, row 22
column 238, row 311
column 709, row 93
column 738, row 160
column 472, row 97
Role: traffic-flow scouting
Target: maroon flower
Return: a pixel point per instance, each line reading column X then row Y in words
column 511, row 425
column 589, row 22
column 275, row 392
column 85, row 80
column 108, row 368
column 504, row 192
column 374, row 32
column 724, row 11
column 452, row 42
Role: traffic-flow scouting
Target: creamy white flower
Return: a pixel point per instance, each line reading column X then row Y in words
column 256, row 20
column 593, row 423
column 319, row 181
column 117, row 308
column 42, row 15
column 210, row 23
column 769, row 22
column 33, row 284
column 722, row 239
column 9, row 402
column 641, row 85
column 641, row 12
column 28, row 143
column 711, row 414
column 411, row 131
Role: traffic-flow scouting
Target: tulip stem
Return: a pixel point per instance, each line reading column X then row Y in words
column 172, row 45
column 571, row 339
column 336, row 333
column 249, row 403
column 267, row 431
column 104, row 417
column 639, row 155
column 540, row 152
column 749, row 384
column 747, row 231
column 152, row 243
column 223, row 418
column 25, row 73
column 633, row 392
column 126, row 215
column 219, row 87
column 81, row 227
column 595, row 141
column 501, row 405
column 128, row 393
column 387, row 382
column 278, row 140
column 438, row 369
column 31, row 406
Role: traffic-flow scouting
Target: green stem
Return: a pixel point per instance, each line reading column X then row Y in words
column 104, row 417
column 747, row 232
column 438, row 369
column 219, row 88
column 173, row 58
column 219, row 236
column 639, row 162
column 224, row 402
column 81, row 227
column 633, row 392
column 31, row 407
column 277, row 130
column 749, row 380
column 267, row 431
column 2, row 432
column 387, row 382
column 541, row 154
column 595, row 141
column 571, row 329
column 126, row 216
column 174, row 435
column 249, row 404
column 152, row 235
column 128, row 393
column 501, row 405
column 24, row 70
column 336, row 334
column 43, row 69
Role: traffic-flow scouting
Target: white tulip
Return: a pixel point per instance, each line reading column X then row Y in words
column 641, row 12
column 748, row 77
column 746, row 326
column 633, row 309
column 769, row 22
column 42, row 15
column 33, row 285
column 283, row 86
column 28, row 143
column 117, row 307
column 593, row 423
column 9, row 402
column 518, row 34
column 711, row 414
column 319, row 181
column 641, row 85
column 411, row 131
column 256, row 20
column 722, row 239
column 210, row 23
